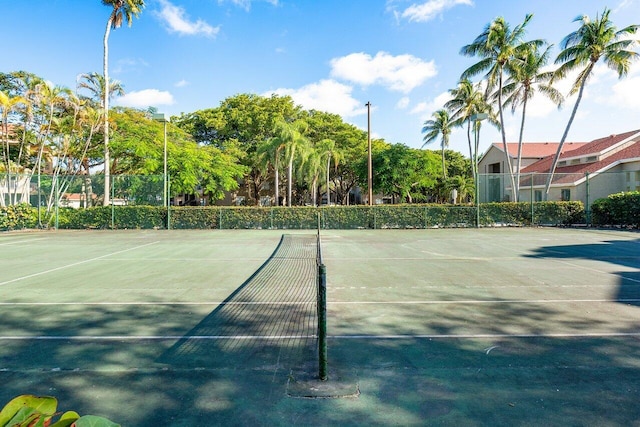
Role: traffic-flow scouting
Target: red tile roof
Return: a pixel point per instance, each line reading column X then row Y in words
column 537, row 149
column 596, row 147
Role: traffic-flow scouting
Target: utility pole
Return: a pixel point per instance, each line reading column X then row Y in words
column 369, row 162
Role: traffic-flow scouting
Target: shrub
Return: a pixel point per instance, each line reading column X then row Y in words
column 17, row 217
column 617, row 209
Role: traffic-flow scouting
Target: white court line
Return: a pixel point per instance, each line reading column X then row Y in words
column 74, row 264
column 152, row 337
column 239, row 303
column 523, row 301
column 286, row 337
column 596, row 270
column 207, row 303
column 17, row 242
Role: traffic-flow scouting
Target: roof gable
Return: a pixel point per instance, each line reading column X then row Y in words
column 597, row 149
column 537, row 150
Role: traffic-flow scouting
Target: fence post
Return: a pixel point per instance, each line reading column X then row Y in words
column 587, row 207
column 113, row 207
column 168, row 202
column 531, row 198
column 57, row 198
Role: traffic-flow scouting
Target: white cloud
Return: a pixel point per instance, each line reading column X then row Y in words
column 326, row 95
column 402, row 73
column 176, row 21
column 623, row 5
column 420, row 108
column 182, row 83
column 627, row 93
column 145, row 98
column 426, row 11
column 246, row 4
column 403, row 103
column 430, row 107
column 129, row 64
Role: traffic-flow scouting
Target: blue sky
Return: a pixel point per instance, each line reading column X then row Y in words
column 331, row 55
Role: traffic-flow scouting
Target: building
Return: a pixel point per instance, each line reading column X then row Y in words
column 585, row 171
column 493, row 167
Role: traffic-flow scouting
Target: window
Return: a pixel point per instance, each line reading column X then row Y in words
column 538, row 195
column 575, row 161
column 562, row 163
column 592, row 159
column 565, row 194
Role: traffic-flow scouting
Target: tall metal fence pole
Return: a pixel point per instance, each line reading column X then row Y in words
column 168, row 202
column 113, row 206
column 587, row 207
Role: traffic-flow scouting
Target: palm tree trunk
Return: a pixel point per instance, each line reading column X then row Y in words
column 328, row 191
column 290, row 179
column 519, row 161
column 566, row 131
column 444, row 166
column 105, row 104
column 473, row 164
column 277, row 182
column 504, row 135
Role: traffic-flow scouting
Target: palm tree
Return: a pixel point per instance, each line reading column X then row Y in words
column 312, row 171
column 582, row 50
column 292, row 138
column 466, row 100
column 269, row 154
column 8, row 105
column 94, row 83
column 328, row 148
column 122, row 10
column 440, row 125
column 497, row 45
column 527, row 77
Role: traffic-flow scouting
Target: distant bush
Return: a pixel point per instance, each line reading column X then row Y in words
column 617, row 209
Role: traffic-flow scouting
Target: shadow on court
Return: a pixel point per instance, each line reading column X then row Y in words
column 624, row 253
column 268, row 322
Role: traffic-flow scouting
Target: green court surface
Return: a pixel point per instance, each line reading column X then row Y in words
column 502, row 326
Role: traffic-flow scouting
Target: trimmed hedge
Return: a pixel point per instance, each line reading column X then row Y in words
column 617, row 209
column 18, row 217
column 334, row 217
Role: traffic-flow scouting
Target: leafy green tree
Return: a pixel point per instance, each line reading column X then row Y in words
column 439, row 126
column 122, row 10
column 138, row 149
column 245, row 122
column 595, row 40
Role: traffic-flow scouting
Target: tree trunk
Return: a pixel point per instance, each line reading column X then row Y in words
column 504, row 135
column 519, row 161
column 566, row 131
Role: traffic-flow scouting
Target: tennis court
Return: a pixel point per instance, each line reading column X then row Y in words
column 503, row 326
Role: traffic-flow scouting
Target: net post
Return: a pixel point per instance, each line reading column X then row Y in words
column 322, row 322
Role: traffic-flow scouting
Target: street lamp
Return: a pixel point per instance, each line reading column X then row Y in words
column 476, row 119
column 161, row 117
